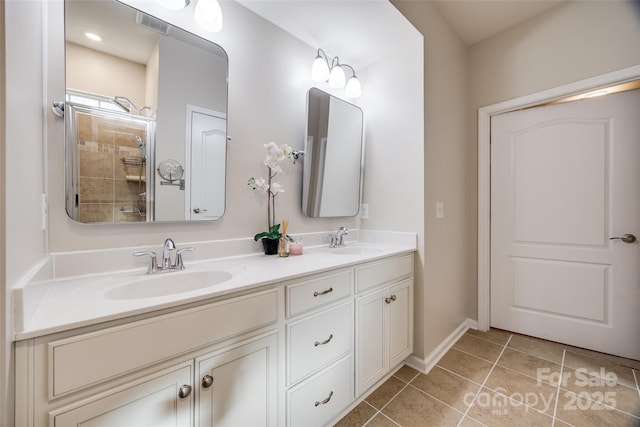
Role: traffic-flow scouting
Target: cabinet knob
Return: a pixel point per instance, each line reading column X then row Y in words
column 207, row 380
column 184, row 391
column 388, row 300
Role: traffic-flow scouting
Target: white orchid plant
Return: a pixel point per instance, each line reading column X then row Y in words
column 275, row 155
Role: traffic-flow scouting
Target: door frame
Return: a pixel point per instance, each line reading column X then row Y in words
column 484, row 168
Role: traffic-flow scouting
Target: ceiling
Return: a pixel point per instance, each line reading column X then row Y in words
column 476, row 20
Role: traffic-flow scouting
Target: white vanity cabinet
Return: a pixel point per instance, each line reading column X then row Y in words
column 151, row 372
column 384, row 319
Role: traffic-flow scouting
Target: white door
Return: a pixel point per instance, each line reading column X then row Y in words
column 206, row 164
column 565, row 179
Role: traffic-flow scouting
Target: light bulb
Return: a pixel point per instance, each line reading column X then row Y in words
column 208, row 15
column 353, row 89
column 173, row 4
column 319, row 70
column 337, row 77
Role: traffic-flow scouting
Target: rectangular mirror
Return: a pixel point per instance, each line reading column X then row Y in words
column 145, row 118
column 333, row 155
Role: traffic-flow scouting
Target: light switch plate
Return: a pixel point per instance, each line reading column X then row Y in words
column 364, row 211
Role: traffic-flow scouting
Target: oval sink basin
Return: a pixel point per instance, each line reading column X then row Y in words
column 164, row 284
column 355, row 250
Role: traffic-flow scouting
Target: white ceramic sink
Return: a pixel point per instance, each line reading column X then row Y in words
column 355, row 249
column 164, row 284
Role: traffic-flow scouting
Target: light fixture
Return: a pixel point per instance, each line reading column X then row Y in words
column 332, row 72
column 208, row 13
column 93, row 36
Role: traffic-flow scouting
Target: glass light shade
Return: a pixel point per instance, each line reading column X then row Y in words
column 173, row 4
column 337, row 78
column 353, row 89
column 208, row 15
column 319, row 70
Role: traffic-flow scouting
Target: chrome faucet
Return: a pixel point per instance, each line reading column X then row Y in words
column 169, row 246
column 337, row 239
column 166, row 265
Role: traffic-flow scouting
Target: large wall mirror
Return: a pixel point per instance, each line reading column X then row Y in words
column 333, row 157
column 145, row 118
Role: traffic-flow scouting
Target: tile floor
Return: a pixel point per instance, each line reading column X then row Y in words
column 497, row 378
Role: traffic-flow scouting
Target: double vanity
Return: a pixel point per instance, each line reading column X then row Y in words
column 240, row 341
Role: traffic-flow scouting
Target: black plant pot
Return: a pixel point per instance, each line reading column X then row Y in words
column 270, row 246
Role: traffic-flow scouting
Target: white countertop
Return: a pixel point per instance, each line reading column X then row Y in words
column 77, row 302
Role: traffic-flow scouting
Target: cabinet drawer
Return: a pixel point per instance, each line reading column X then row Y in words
column 84, row 360
column 380, row 272
column 317, row 341
column 318, row 290
column 320, row 399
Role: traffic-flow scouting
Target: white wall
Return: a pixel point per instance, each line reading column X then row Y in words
column 442, row 293
column 93, row 71
column 5, row 298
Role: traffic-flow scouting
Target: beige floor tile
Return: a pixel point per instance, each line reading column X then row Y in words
column 383, row 394
column 470, row 422
column 601, row 367
column 531, row 366
column 447, row 387
column 602, row 390
column 496, row 410
column 413, row 408
column 496, row 336
column 583, row 412
column 381, row 421
column 464, row 364
column 358, row 416
column 521, row 388
column 406, row 373
column 540, row 348
column 478, row 347
column 622, row 361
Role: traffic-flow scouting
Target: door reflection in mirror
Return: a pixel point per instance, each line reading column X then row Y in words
column 333, row 155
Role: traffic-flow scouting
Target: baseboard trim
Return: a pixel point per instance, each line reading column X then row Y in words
column 425, row 365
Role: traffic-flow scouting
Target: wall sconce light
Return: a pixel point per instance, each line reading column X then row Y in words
column 332, row 72
column 208, row 14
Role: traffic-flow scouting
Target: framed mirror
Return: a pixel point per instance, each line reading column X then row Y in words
column 145, row 118
column 333, row 155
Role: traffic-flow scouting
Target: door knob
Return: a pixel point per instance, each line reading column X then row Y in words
column 198, row 210
column 626, row 238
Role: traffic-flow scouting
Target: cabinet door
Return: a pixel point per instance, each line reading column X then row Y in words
column 150, row 402
column 372, row 361
column 400, row 322
column 239, row 386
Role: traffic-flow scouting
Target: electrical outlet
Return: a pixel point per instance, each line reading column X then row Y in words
column 439, row 210
column 364, row 211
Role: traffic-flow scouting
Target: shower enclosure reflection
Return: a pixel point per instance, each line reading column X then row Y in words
column 147, row 94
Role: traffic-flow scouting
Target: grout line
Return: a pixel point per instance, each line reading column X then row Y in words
column 555, row 408
column 485, row 380
column 636, row 379
column 474, row 355
column 457, row 374
column 436, row 399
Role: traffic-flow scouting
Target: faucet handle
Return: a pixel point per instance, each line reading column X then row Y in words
column 179, row 264
column 153, row 263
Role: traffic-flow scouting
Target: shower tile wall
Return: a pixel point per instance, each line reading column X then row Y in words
column 108, row 187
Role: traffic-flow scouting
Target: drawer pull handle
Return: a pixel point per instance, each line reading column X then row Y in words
column 315, row 294
column 184, row 391
column 388, row 300
column 317, row 343
column 325, row 401
column 207, row 380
